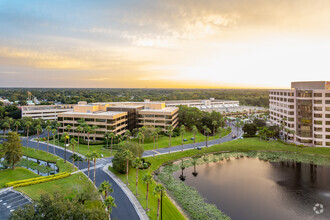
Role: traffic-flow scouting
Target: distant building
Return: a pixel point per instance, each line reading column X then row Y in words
column 5, row 101
column 304, row 109
column 118, row 117
column 203, row 104
column 45, row 112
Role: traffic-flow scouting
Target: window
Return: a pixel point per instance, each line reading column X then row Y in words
column 318, row 122
column 318, row 136
column 327, row 115
column 317, row 108
column 317, row 94
column 317, row 115
column 327, row 129
column 327, row 122
column 328, row 143
column 317, row 101
column 318, row 129
column 327, row 94
column 327, row 102
column 318, row 142
column 327, row 109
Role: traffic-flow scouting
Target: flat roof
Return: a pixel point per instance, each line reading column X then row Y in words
column 126, row 106
column 166, row 109
column 107, row 113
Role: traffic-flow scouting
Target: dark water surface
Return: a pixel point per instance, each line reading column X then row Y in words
column 248, row 188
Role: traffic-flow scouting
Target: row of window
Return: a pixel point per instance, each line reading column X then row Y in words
column 320, row 136
column 321, row 122
column 320, row 102
column 320, row 115
column 282, row 93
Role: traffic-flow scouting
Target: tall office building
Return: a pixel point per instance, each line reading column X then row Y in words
column 304, row 109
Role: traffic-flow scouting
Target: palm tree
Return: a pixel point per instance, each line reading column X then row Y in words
column 109, row 202
column 159, row 191
column 158, row 131
column 94, row 157
column 54, row 132
column 194, row 130
column 128, row 155
column 79, row 129
column 155, row 136
column 105, row 187
column 182, row 131
column 66, row 137
column 112, row 136
column 39, row 129
column 140, row 137
column 10, row 122
column 28, row 125
column 194, row 163
column 127, row 134
column 107, row 137
column 48, row 129
column 68, row 128
column 238, row 124
column 137, row 164
column 88, row 130
column 169, row 132
column 214, row 123
column 57, row 126
column 5, row 126
column 72, row 143
column 94, row 128
column 207, row 132
column 79, row 159
column 220, row 131
column 88, row 157
column 147, row 179
column 204, row 128
column 17, row 124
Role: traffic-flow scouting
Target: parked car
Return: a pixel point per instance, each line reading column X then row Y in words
column 234, row 136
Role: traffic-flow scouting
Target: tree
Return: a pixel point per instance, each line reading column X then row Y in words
column 220, row 131
column 127, row 134
column 250, row 129
column 72, row 143
column 170, row 133
column 57, row 126
column 88, row 157
column 54, row 132
column 88, row 130
column 48, row 129
column 39, row 129
column 214, row 123
column 147, row 179
column 28, row 124
column 68, row 128
column 155, row 136
column 182, row 131
column 158, row 130
column 109, row 202
column 207, row 132
column 119, row 161
column 137, row 164
column 13, row 149
column 10, row 122
column 79, row 129
column 94, row 157
column 5, row 125
column 105, row 187
column 94, row 128
column 159, row 191
column 194, row 130
column 128, row 156
column 76, row 158
column 65, row 137
column 111, row 136
column 238, row 125
column 194, row 163
column 140, row 137
column 17, row 124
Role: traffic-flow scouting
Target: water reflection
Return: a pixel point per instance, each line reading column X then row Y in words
column 253, row 189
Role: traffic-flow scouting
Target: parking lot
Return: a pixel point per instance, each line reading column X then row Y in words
column 11, row 200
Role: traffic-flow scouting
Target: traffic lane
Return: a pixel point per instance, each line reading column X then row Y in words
column 124, row 209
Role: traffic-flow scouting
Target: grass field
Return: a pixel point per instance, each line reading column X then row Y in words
column 70, row 186
column 19, row 173
column 242, row 145
column 83, row 148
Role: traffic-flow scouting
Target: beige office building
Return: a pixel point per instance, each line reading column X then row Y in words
column 45, row 112
column 118, row 117
column 305, row 109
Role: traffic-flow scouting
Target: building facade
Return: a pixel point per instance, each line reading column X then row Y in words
column 304, row 110
column 118, row 117
column 45, row 112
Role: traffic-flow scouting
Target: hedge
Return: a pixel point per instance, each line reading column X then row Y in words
column 37, row 180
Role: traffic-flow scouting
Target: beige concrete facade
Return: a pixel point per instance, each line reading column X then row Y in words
column 305, row 109
column 45, row 112
column 108, row 119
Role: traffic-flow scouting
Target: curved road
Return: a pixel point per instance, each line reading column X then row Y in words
column 125, row 209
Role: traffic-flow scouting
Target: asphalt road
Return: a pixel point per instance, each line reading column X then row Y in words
column 9, row 201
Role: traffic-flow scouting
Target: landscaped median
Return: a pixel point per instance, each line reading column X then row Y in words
column 171, row 211
column 37, row 180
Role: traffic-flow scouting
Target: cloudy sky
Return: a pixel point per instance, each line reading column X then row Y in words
column 163, row 43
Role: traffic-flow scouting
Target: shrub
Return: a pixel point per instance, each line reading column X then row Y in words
column 36, row 179
column 91, row 142
column 119, row 161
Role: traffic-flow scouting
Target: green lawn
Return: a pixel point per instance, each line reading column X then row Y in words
column 83, row 148
column 70, row 186
column 42, row 155
column 163, row 141
column 19, row 173
column 247, row 144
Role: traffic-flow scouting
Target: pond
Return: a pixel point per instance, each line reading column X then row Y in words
column 40, row 167
column 249, row 188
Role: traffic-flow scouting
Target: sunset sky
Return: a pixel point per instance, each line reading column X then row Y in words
column 164, row 43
